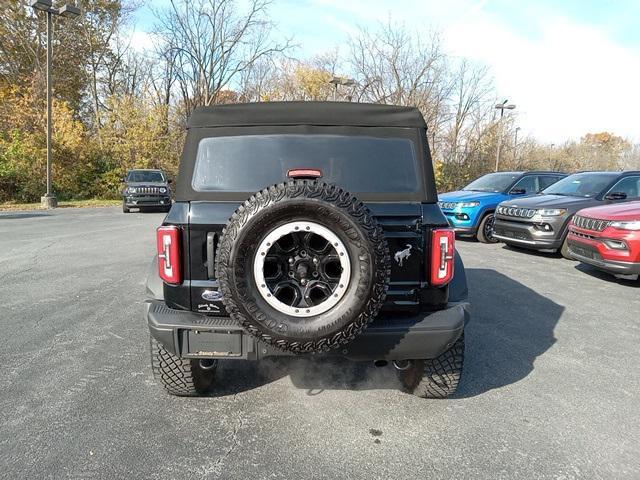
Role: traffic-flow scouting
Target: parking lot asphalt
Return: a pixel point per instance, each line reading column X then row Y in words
column 551, row 386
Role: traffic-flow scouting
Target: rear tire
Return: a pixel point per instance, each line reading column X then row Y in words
column 180, row 376
column 485, row 230
column 438, row 377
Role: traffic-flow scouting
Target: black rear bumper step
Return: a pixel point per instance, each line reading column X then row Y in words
column 192, row 335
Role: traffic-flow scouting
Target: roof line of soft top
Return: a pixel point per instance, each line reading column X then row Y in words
column 306, row 113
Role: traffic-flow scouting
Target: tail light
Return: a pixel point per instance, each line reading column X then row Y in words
column 169, row 254
column 442, row 256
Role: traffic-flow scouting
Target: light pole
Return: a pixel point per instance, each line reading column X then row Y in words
column 68, row 11
column 515, row 146
column 502, row 106
column 346, row 82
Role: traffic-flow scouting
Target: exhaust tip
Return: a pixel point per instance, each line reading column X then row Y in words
column 208, row 363
column 402, row 364
column 380, row 363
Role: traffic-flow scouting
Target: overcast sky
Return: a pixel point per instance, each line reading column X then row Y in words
column 570, row 66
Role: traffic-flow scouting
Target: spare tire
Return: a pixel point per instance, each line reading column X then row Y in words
column 303, row 266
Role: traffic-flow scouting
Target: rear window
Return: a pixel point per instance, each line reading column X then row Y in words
column 248, row 163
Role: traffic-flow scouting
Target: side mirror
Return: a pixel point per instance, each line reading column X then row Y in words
column 616, row 196
column 517, row 191
column 170, row 181
column 123, row 179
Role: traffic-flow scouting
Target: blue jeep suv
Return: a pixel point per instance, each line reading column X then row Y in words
column 470, row 210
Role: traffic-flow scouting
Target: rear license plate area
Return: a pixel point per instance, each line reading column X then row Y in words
column 212, row 344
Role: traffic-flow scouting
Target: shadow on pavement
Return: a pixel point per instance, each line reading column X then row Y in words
column 4, row 216
column 607, row 277
column 511, row 325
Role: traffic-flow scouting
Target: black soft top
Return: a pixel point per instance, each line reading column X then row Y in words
column 306, row 113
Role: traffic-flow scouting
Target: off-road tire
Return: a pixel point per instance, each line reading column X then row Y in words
column 346, row 217
column 180, row 376
column 482, row 235
column 437, row 377
column 124, row 208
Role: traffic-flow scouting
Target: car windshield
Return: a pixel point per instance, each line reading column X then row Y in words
column 248, row 163
column 145, row 176
column 585, row 185
column 493, row 182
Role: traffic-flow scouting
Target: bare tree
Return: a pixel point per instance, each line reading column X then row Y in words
column 214, row 43
column 397, row 67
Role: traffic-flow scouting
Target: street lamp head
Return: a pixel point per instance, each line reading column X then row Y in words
column 346, row 82
column 44, row 5
column 70, row 11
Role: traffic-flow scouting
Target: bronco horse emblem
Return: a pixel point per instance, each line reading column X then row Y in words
column 402, row 255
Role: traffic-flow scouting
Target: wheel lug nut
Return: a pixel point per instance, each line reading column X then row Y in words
column 291, row 260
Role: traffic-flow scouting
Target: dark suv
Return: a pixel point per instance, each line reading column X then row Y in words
column 306, row 229
column 146, row 188
column 541, row 222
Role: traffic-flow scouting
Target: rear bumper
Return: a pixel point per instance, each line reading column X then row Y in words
column 192, row 335
column 134, row 201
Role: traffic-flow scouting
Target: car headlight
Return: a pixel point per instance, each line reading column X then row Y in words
column 131, row 190
column 551, row 212
column 632, row 225
column 467, row 204
column 548, row 212
column 163, row 190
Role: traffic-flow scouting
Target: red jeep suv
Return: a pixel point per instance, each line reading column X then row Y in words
column 607, row 237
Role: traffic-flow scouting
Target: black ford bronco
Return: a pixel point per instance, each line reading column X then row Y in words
column 306, row 229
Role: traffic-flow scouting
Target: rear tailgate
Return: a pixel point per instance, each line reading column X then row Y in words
column 402, row 224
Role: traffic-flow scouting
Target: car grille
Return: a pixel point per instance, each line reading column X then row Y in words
column 585, row 251
column 590, row 223
column 582, row 235
column 447, row 205
column 148, row 190
column 515, row 234
column 516, row 212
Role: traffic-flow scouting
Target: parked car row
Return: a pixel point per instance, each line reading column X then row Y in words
column 593, row 217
